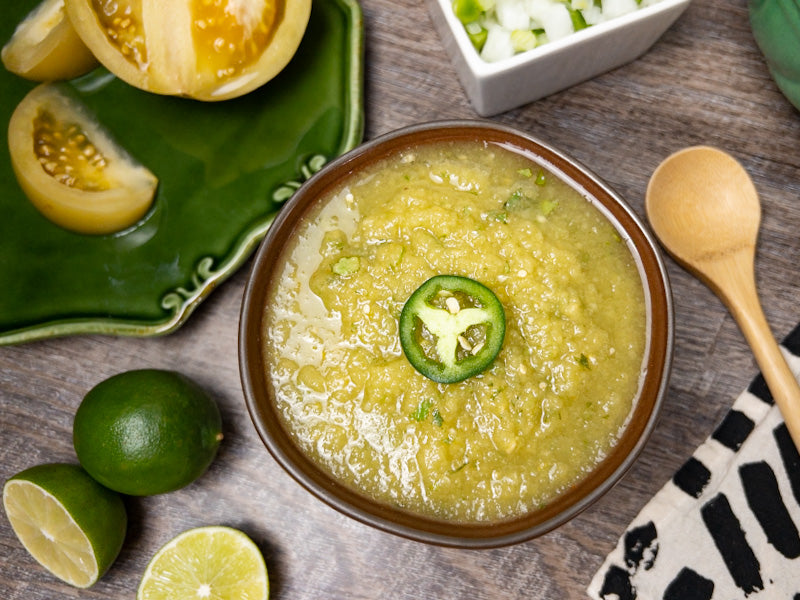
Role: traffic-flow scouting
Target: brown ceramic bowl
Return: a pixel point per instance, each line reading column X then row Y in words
column 655, row 370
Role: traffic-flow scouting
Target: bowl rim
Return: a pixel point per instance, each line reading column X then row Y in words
column 642, row 421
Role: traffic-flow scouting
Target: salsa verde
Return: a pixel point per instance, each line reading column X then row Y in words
column 504, row 440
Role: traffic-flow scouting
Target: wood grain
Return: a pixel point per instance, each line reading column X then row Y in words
column 704, row 82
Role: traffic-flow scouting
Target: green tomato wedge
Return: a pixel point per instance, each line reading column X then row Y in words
column 452, row 328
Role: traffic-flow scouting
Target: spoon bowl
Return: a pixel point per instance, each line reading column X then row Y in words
column 704, row 208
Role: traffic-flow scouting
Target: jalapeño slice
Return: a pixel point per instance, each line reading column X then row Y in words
column 452, row 328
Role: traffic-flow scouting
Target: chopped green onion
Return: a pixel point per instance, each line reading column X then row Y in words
column 523, row 40
column 478, row 38
column 578, row 22
column 467, row 11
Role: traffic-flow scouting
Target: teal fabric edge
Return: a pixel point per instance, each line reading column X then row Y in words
column 776, row 29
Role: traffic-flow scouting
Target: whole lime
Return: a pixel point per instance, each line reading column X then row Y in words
column 72, row 525
column 146, row 432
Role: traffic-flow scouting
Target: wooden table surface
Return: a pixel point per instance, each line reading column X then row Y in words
column 704, row 82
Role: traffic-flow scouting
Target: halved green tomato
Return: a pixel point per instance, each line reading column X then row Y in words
column 71, row 169
column 45, row 46
column 203, row 49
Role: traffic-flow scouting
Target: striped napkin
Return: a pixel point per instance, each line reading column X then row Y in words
column 726, row 526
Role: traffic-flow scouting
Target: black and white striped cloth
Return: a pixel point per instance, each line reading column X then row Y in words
column 726, row 526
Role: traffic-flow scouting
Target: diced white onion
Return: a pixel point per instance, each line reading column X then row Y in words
column 498, row 44
column 511, row 15
column 593, row 15
column 502, row 17
column 617, row 8
column 556, row 21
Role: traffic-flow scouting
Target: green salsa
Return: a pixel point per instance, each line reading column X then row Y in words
column 509, row 438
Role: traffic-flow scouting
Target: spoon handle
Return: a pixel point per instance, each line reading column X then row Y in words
column 742, row 300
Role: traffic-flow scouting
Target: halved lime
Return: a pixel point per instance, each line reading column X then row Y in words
column 215, row 563
column 73, row 526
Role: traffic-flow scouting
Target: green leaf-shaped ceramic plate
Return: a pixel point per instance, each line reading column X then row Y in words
column 224, row 169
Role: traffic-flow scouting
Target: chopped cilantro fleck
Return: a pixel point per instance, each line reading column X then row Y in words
column 498, row 215
column 458, row 468
column 424, row 409
column 548, row 206
column 346, row 265
column 514, row 200
column 421, row 413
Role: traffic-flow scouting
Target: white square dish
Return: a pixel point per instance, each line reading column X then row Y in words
column 494, row 87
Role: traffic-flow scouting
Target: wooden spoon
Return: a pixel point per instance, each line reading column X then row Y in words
column 704, row 208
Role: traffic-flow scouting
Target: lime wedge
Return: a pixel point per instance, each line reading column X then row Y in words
column 214, row 563
column 69, row 523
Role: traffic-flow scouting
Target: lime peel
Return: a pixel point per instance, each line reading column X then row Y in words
column 69, row 523
column 146, row 432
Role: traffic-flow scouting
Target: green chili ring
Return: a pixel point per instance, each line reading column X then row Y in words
column 452, row 328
